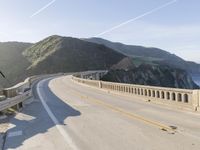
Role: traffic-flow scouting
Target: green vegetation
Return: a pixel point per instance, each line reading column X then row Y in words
column 151, row 55
column 144, row 60
column 65, row 54
column 52, row 55
column 12, row 63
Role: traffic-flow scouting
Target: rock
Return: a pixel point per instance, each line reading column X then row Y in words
column 152, row 75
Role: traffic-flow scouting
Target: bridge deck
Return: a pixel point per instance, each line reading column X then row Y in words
column 90, row 119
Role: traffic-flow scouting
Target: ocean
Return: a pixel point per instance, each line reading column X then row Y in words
column 196, row 79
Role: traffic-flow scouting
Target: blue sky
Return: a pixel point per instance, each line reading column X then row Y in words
column 175, row 28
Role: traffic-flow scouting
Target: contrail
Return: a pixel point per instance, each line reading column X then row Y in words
column 136, row 18
column 43, row 8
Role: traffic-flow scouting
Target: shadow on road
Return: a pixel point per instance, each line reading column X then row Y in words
column 34, row 120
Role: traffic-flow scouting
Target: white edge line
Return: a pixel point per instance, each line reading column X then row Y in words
column 60, row 128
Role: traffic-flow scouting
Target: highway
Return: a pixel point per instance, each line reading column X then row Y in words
column 66, row 115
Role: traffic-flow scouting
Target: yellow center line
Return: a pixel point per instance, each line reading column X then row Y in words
column 124, row 112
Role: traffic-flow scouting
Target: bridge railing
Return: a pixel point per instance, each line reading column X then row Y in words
column 15, row 95
column 18, row 88
column 10, row 102
column 20, row 92
column 180, row 98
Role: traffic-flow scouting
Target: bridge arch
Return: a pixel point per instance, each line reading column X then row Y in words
column 154, row 93
column 158, row 94
column 163, row 95
column 145, row 92
column 186, row 98
column 149, row 93
column 168, row 95
column 173, row 96
column 138, row 91
column 179, row 97
column 142, row 92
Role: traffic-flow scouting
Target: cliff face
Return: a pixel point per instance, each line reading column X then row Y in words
column 152, row 75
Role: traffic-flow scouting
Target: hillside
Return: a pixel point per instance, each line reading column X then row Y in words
column 155, row 75
column 151, row 54
column 12, row 62
column 66, row 54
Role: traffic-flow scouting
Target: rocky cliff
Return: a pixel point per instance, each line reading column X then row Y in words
column 154, row 75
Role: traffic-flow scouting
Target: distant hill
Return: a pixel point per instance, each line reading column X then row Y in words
column 12, row 63
column 65, row 54
column 150, row 54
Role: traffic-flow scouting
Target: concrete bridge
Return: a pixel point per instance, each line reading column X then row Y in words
column 78, row 111
column 179, row 98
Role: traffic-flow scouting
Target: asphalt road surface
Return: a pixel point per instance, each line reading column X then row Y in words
column 65, row 115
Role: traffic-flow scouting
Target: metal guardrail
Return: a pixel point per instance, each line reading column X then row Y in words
column 21, row 91
column 14, row 101
column 16, row 94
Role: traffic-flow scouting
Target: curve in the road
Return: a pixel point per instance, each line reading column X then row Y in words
column 60, row 128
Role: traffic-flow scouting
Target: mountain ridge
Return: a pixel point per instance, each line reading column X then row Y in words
column 155, row 54
column 56, row 54
column 69, row 54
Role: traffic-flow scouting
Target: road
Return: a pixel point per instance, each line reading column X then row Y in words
column 66, row 115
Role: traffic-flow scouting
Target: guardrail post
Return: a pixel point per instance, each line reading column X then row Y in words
column 198, row 106
column 100, row 84
column 18, row 107
column 195, row 99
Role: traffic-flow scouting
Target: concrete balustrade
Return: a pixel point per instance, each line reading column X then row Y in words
column 180, row 98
